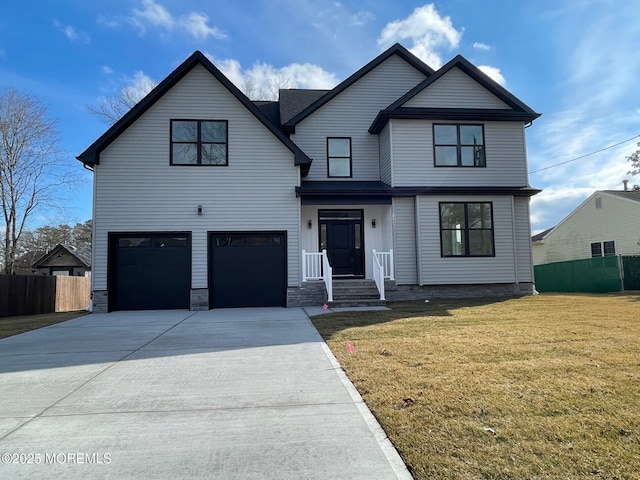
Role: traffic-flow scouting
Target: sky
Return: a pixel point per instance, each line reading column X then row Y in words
column 574, row 61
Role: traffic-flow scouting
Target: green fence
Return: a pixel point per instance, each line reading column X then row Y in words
column 599, row 275
column 631, row 269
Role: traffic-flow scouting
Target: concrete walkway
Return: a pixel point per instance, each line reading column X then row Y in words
column 223, row 394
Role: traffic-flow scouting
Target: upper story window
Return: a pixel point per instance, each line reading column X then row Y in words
column 199, row 142
column 459, row 145
column 339, row 156
column 466, row 229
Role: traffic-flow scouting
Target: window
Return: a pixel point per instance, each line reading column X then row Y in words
column 466, row 229
column 339, row 156
column 199, row 142
column 603, row 249
column 459, row 146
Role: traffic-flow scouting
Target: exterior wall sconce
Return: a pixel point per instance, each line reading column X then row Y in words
column 200, row 210
column 373, row 223
column 309, row 224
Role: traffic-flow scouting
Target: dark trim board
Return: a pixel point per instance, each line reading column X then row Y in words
column 151, row 275
column 247, row 269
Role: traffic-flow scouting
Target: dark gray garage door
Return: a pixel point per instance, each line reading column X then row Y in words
column 247, row 269
column 149, row 271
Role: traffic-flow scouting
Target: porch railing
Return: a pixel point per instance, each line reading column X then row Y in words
column 378, row 274
column 316, row 266
column 385, row 259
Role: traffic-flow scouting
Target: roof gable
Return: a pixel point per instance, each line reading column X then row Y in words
column 456, row 89
column 396, row 49
column 465, row 66
column 81, row 256
column 624, row 196
column 91, row 156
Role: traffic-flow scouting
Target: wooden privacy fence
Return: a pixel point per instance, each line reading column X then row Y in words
column 36, row 294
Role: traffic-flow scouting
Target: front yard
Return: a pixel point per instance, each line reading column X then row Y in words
column 536, row 387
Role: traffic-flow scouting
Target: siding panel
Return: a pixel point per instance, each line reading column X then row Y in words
column 137, row 190
column 524, row 260
column 350, row 114
column 405, row 241
column 413, row 163
column 436, row 270
column 385, row 154
column 456, row 89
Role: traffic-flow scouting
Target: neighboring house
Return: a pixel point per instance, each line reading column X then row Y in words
column 24, row 263
column 606, row 223
column 204, row 199
column 64, row 260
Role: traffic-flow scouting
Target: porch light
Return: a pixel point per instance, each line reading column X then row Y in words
column 373, row 223
column 200, row 210
column 309, row 224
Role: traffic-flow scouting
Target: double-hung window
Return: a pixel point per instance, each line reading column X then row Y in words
column 466, row 229
column 459, row 145
column 339, row 156
column 199, row 142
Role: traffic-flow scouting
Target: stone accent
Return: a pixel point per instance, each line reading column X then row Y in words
column 308, row 294
column 100, row 300
column 395, row 293
column 199, row 299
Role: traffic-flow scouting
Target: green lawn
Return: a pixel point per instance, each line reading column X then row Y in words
column 535, row 387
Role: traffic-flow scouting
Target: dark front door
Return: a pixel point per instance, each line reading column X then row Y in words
column 341, row 234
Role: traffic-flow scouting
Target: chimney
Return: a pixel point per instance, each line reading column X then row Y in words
column 625, row 183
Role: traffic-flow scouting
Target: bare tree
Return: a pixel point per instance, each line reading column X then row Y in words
column 111, row 109
column 269, row 90
column 634, row 158
column 30, row 170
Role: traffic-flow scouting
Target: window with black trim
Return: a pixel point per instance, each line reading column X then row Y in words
column 458, row 145
column 199, row 142
column 339, row 156
column 466, row 229
column 603, row 249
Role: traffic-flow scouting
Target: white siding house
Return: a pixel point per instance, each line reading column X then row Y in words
column 205, row 199
column 606, row 223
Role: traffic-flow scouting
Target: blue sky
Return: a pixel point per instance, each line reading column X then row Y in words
column 574, row 61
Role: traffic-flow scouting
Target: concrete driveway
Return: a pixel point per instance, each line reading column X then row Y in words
column 223, row 394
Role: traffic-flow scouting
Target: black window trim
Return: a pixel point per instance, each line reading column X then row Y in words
column 199, row 143
column 350, row 157
column 465, row 231
column 458, row 145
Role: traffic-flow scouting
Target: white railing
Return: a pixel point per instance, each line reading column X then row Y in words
column 311, row 266
column 378, row 275
column 327, row 274
column 315, row 266
column 385, row 259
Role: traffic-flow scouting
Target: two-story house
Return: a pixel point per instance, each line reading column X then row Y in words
column 204, row 199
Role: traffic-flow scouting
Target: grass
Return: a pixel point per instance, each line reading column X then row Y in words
column 535, row 387
column 14, row 325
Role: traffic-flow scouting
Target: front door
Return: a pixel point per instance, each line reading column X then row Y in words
column 341, row 234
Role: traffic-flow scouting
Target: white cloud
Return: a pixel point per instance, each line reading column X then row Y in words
column 362, row 17
column 156, row 16
column 138, row 85
column 106, row 70
column 493, row 73
column 481, row 46
column 429, row 32
column 262, row 80
column 71, row 33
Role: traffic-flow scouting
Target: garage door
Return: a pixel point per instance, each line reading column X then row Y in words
column 247, row 269
column 150, row 271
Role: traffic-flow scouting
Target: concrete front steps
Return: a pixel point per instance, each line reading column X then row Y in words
column 355, row 293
